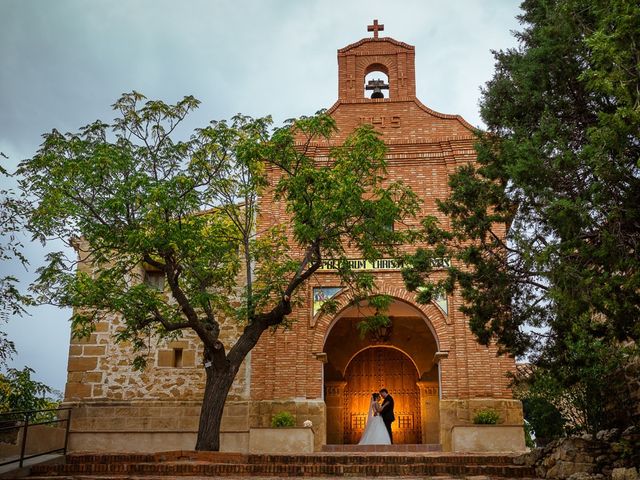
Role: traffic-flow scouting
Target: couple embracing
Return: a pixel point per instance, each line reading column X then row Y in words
column 379, row 419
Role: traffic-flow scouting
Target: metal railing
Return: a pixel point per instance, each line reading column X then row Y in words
column 22, row 420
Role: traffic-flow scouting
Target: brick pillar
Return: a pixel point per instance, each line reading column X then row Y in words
column 334, row 399
column 429, row 411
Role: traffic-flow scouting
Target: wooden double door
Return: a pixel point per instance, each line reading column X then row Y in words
column 368, row 372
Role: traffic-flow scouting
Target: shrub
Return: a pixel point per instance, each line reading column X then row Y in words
column 20, row 392
column 528, row 438
column 486, row 417
column 283, row 419
column 543, row 418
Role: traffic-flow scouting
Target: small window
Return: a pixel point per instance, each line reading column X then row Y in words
column 177, row 358
column 154, row 279
column 405, row 422
column 358, row 421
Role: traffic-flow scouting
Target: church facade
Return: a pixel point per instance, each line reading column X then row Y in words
column 320, row 369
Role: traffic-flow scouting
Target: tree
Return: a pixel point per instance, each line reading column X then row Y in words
column 546, row 227
column 582, row 392
column 133, row 198
column 19, row 392
column 12, row 301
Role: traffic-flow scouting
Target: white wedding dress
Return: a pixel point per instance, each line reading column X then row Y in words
column 375, row 432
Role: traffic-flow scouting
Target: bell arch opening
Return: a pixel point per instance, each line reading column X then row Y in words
column 376, row 81
column 399, row 358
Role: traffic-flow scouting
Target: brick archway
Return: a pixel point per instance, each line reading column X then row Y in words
column 356, row 365
column 431, row 314
column 377, row 67
column 383, row 64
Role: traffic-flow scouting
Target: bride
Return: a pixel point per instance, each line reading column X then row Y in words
column 375, row 432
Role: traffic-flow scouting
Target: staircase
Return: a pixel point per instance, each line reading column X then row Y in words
column 328, row 464
column 398, row 448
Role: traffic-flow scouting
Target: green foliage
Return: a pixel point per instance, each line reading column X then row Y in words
column 486, row 416
column 283, row 419
column 133, row 198
column 543, row 419
column 12, row 300
column 545, row 228
column 19, row 392
column 187, row 209
column 528, row 437
column 379, row 319
column 575, row 391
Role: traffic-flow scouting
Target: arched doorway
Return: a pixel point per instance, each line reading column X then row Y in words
column 401, row 359
column 369, row 371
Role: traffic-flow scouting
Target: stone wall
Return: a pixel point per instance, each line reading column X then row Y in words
column 118, row 425
column 149, row 426
column 611, row 454
column 40, row 438
column 488, row 438
column 260, row 413
column 279, row 441
column 99, row 368
column 624, row 404
column 461, row 412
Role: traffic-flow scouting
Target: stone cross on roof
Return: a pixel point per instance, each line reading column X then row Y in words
column 375, row 28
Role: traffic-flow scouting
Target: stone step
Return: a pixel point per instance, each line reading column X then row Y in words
column 425, row 447
column 170, row 456
column 225, row 470
column 345, row 457
column 193, row 464
column 379, row 458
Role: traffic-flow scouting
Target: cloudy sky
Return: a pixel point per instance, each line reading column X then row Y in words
column 64, row 62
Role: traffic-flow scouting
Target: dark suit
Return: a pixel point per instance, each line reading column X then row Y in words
column 387, row 414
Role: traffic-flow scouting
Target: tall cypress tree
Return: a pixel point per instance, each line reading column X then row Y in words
column 545, row 229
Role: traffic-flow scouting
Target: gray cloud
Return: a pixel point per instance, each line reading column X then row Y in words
column 64, row 62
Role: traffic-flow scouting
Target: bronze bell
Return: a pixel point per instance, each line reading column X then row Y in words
column 377, row 86
column 377, row 93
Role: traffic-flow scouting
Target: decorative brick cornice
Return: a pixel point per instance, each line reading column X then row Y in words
column 445, row 115
column 376, row 40
column 420, row 105
column 441, row 144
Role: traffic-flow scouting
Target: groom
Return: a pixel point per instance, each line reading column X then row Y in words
column 386, row 411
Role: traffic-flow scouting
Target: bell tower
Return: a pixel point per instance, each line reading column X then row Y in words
column 396, row 60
